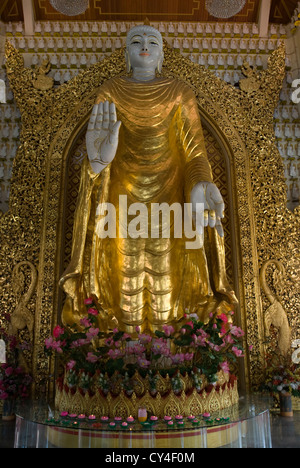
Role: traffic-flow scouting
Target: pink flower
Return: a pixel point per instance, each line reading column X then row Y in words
column 160, row 347
column 91, row 357
column 85, row 322
column 92, row 311
column 49, row 342
column 168, row 329
column 236, row 331
column 92, row 333
column 188, row 356
column 144, row 338
column 57, row 346
column 238, row 352
column 225, row 367
column 138, row 349
column 70, row 364
column 88, row 301
column 115, row 353
column 177, row 358
column 214, row 346
column 142, row 362
column 125, row 336
column 201, row 338
column 228, row 339
column 57, row 331
column 138, row 329
column 80, row 342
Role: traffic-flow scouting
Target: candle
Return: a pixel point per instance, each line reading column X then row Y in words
column 92, row 417
column 118, row 419
column 167, row 418
column 206, row 415
column 191, row 417
column 130, row 419
column 180, row 423
column 195, row 422
column 104, row 418
column 142, row 414
column 124, row 424
column 153, row 418
column 209, row 421
column 81, row 416
column 178, row 417
column 64, row 414
column 170, row 423
column 72, row 416
column 112, row 424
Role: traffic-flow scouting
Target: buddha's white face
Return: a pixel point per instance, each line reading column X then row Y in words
column 145, row 50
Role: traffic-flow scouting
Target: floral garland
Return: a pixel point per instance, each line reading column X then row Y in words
column 196, row 348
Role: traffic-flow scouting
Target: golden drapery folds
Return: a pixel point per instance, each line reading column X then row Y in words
column 146, row 281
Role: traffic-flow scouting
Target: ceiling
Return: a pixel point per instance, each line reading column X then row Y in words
column 155, row 10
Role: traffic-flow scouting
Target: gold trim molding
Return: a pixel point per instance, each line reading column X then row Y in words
column 241, row 119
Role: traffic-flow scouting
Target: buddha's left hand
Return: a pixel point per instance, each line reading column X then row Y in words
column 207, row 203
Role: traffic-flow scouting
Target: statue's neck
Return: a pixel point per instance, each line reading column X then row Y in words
column 141, row 74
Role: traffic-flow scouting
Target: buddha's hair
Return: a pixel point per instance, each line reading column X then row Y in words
column 143, row 28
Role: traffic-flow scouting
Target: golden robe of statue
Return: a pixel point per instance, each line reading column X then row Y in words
column 147, row 281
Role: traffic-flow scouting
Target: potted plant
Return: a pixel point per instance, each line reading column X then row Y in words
column 282, row 380
column 15, row 381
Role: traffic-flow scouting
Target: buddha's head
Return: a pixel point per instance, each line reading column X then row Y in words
column 144, row 48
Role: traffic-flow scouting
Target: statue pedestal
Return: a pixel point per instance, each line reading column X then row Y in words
column 246, row 425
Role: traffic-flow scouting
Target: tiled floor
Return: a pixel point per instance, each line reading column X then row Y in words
column 285, row 432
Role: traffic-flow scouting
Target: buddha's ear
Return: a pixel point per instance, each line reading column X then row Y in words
column 160, row 62
column 127, row 60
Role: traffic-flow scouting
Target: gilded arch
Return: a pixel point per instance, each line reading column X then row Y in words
column 241, row 121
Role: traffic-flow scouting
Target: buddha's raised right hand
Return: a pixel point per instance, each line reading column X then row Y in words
column 102, row 135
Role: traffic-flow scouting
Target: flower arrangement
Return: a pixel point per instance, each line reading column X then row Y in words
column 15, row 381
column 282, row 376
column 196, row 348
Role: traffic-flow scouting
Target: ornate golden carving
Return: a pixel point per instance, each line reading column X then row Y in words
column 261, row 226
column 275, row 314
column 252, row 81
column 41, row 81
column 21, row 316
column 166, row 403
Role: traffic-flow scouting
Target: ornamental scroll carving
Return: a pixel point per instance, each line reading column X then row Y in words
column 241, row 120
column 275, row 314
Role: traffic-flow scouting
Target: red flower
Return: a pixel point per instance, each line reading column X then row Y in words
column 223, row 317
column 57, row 331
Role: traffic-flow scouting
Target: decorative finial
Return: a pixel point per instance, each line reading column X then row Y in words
column 146, row 22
